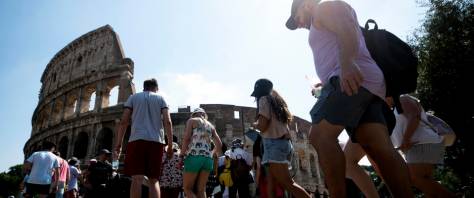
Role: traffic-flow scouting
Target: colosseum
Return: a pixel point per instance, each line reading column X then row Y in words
column 81, row 101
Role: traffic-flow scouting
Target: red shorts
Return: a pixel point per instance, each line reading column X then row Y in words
column 144, row 158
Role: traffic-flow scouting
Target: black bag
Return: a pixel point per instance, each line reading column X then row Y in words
column 396, row 60
column 240, row 170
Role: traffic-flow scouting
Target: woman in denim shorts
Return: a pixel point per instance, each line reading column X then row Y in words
column 273, row 118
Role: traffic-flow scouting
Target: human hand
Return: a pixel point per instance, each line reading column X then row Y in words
column 316, row 89
column 406, row 145
column 169, row 151
column 351, row 78
column 116, row 152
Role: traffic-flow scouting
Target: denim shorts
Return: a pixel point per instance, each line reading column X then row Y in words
column 277, row 151
column 338, row 108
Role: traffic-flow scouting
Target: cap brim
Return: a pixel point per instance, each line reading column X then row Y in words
column 253, row 93
column 291, row 23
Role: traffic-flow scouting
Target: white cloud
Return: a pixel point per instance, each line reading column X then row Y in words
column 194, row 89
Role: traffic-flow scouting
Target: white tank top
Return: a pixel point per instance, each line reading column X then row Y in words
column 422, row 135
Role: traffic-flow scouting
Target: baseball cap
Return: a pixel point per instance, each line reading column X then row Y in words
column 237, row 143
column 73, row 161
column 262, row 87
column 104, row 151
column 291, row 23
column 198, row 110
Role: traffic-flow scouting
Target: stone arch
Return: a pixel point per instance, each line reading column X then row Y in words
column 111, row 93
column 92, row 101
column 43, row 122
column 57, row 111
column 63, row 147
column 314, row 169
column 104, row 139
column 88, row 98
column 80, row 146
column 71, row 104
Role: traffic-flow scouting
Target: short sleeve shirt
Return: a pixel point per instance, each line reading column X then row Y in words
column 63, row 169
column 147, row 121
column 44, row 162
column 75, row 173
column 276, row 129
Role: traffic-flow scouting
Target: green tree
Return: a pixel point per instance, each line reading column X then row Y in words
column 444, row 46
column 10, row 181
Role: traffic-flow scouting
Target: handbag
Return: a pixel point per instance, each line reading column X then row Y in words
column 441, row 128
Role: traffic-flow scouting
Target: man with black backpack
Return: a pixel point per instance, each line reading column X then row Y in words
column 241, row 162
column 352, row 97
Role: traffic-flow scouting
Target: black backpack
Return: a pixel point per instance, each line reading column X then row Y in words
column 396, row 60
column 239, row 170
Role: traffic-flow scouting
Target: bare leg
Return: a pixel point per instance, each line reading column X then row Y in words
column 188, row 184
column 280, row 173
column 154, row 188
column 353, row 153
column 270, row 185
column 201, row 184
column 323, row 137
column 422, row 178
column 373, row 137
column 136, row 187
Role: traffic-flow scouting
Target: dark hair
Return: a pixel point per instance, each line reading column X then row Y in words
column 278, row 107
column 47, row 145
column 73, row 161
column 224, row 147
column 150, row 84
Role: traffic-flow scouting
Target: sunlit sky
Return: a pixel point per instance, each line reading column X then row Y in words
column 201, row 51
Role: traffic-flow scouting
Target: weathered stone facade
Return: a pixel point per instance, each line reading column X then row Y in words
column 80, row 124
column 87, row 68
column 233, row 121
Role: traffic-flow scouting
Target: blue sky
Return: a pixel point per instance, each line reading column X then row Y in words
column 201, row 51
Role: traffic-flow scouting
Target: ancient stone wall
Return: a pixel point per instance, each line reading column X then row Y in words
column 233, row 121
column 74, row 110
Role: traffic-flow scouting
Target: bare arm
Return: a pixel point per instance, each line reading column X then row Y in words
column 167, row 125
column 122, row 128
column 336, row 16
column 262, row 123
column 169, row 131
column 27, row 167
column 68, row 175
column 56, row 178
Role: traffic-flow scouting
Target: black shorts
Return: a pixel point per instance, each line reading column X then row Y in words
column 338, row 108
column 35, row 189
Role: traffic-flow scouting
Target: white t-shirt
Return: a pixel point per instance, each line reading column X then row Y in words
column 75, row 173
column 44, row 163
column 422, row 135
column 239, row 153
column 147, row 121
